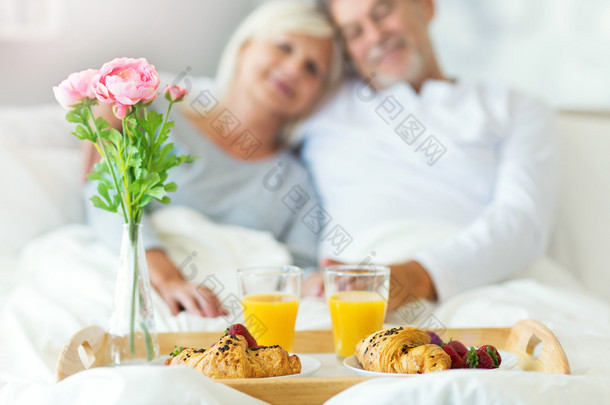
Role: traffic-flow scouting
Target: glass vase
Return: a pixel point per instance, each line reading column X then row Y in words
column 132, row 337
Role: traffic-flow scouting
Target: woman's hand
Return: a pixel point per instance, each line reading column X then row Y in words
column 197, row 300
column 176, row 292
column 313, row 285
column 90, row 158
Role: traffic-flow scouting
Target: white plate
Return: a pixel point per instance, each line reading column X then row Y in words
column 309, row 365
column 509, row 360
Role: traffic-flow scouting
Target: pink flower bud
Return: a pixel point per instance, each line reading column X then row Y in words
column 120, row 111
column 175, row 93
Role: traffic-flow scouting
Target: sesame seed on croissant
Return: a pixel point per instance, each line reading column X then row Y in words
column 401, row 350
column 230, row 358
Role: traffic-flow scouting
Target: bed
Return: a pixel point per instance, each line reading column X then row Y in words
column 55, row 280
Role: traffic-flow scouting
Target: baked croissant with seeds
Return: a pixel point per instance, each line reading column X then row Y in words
column 231, row 358
column 401, row 350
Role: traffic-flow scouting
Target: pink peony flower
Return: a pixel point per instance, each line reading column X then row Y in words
column 75, row 88
column 126, row 81
column 175, row 93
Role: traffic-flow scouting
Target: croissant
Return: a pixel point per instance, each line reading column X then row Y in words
column 230, row 358
column 401, row 350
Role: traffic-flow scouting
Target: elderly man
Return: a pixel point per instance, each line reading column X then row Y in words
column 451, row 183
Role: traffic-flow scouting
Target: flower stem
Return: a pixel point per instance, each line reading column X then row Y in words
column 133, row 238
column 125, row 168
column 105, row 156
column 169, row 108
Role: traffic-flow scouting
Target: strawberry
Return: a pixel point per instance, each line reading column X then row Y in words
column 239, row 329
column 434, row 338
column 485, row 360
column 456, row 360
column 459, row 348
column 493, row 352
column 477, row 358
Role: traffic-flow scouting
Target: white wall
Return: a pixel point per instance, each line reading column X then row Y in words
column 86, row 33
column 558, row 50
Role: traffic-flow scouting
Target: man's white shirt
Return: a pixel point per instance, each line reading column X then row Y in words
column 459, row 177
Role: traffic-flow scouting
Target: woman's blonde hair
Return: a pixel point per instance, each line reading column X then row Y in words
column 281, row 16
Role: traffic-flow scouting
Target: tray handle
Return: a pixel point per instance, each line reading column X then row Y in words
column 523, row 340
column 84, row 350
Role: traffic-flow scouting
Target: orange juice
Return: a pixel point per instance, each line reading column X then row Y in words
column 354, row 315
column 270, row 318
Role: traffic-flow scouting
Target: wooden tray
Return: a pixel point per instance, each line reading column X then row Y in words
column 87, row 348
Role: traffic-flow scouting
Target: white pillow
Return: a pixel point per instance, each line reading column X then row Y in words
column 40, row 162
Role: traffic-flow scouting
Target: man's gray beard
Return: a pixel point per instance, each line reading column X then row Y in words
column 383, row 81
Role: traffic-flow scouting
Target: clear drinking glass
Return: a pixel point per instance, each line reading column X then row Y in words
column 357, row 298
column 270, row 301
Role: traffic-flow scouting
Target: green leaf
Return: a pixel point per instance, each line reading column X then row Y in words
column 190, row 159
column 85, row 114
column 151, row 122
column 95, row 175
column 153, row 179
column 102, row 189
column 135, row 163
column 101, row 123
column 156, row 192
column 114, row 136
column 98, row 203
column 83, row 133
column 161, row 157
column 74, row 117
column 171, row 187
column 116, row 201
column 145, row 201
column 101, row 168
column 165, row 130
column 177, row 351
column 135, row 187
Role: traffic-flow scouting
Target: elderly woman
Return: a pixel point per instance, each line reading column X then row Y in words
column 277, row 67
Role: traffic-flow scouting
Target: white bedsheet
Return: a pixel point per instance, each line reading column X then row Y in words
column 65, row 282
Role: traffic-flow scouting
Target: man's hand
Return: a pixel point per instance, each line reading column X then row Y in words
column 176, row 292
column 409, row 281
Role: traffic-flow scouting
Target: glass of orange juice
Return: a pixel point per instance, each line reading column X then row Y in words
column 270, row 301
column 357, row 298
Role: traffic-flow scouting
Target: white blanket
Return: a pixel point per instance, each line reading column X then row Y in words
column 129, row 385
column 65, row 282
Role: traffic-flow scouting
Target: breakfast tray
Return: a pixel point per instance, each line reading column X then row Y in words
column 87, row 348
